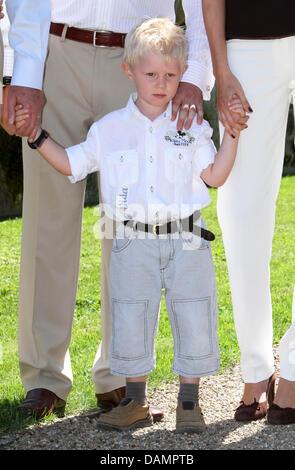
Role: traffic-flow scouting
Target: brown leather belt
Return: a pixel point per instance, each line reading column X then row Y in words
column 96, row 38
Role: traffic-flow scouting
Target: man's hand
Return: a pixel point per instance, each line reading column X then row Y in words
column 227, row 87
column 33, row 101
column 189, row 101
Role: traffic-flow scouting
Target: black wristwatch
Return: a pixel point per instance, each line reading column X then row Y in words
column 6, row 80
column 38, row 142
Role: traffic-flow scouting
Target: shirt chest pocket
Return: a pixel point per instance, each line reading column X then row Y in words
column 123, row 167
column 178, row 165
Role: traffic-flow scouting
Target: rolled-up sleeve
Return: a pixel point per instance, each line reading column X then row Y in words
column 84, row 158
column 28, row 36
column 205, row 149
column 199, row 72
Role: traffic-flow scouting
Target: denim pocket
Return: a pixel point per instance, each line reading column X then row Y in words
column 119, row 244
column 129, row 329
column 193, row 328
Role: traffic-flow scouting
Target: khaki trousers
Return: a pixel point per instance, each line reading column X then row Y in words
column 81, row 84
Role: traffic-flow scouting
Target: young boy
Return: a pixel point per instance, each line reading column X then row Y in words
column 152, row 185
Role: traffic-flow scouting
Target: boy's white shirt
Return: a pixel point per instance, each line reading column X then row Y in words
column 148, row 171
column 30, row 20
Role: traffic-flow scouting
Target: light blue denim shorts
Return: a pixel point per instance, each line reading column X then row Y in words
column 140, row 268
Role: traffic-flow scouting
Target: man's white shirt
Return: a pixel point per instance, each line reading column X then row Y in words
column 122, row 15
column 28, row 36
column 149, row 172
column 30, row 20
column 8, row 51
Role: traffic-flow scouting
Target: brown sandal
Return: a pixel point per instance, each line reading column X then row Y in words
column 278, row 415
column 257, row 410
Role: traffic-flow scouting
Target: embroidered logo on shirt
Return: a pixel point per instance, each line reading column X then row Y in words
column 122, row 198
column 179, row 138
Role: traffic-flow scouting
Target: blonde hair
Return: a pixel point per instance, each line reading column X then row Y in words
column 159, row 35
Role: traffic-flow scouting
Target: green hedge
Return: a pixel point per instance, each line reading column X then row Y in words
column 11, row 165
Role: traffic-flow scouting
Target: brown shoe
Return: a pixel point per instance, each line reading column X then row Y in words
column 123, row 418
column 189, row 420
column 107, row 401
column 42, row 402
column 257, row 410
column 278, row 415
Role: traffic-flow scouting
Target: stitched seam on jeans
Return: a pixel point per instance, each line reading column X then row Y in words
column 115, row 250
column 183, row 356
column 199, row 374
column 142, row 356
column 127, row 373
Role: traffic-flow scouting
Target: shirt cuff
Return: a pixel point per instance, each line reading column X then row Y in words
column 200, row 76
column 27, row 72
column 76, row 163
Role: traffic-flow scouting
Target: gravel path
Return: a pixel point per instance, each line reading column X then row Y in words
column 219, row 396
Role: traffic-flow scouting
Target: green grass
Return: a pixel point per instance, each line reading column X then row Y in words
column 86, row 326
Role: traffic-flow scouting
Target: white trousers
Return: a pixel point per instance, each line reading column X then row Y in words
column 246, row 202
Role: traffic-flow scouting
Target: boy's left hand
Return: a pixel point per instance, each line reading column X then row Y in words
column 235, row 105
column 189, row 102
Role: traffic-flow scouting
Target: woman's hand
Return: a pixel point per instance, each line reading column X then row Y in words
column 228, row 87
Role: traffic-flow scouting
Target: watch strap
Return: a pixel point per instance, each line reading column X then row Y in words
column 38, row 142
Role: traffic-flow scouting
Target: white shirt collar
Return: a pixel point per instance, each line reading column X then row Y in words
column 131, row 109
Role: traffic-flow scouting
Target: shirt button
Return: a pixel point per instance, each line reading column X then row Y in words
column 121, row 158
column 151, row 129
column 208, row 88
column 180, row 156
column 152, row 189
column 151, row 159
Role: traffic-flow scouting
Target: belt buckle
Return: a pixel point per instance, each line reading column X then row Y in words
column 102, row 31
column 154, row 229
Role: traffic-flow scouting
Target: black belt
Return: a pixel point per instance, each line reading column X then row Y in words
column 173, row 227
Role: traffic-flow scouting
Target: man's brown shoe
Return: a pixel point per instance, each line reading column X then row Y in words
column 107, row 401
column 123, row 418
column 41, row 402
column 278, row 415
column 189, row 420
